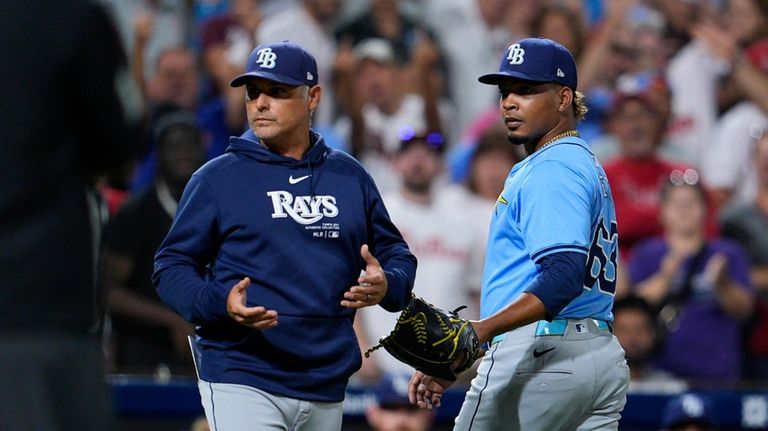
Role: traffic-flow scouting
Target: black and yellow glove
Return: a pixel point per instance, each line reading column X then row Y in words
column 431, row 340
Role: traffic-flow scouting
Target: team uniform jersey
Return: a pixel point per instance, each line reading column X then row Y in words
column 557, row 200
column 569, row 209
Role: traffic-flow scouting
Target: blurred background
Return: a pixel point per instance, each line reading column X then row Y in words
column 677, row 92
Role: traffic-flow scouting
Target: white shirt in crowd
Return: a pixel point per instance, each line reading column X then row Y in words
column 448, row 238
column 693, row 74
column 383, row 136
column 469, row 53
column 728, row 163
column 295, row 24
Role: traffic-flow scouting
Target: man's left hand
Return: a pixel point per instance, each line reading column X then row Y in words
column 372, row 286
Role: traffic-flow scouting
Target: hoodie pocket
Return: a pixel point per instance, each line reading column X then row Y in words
column 303, row 342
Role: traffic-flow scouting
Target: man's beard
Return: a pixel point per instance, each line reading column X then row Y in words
column 526, row 141
column 518, row 140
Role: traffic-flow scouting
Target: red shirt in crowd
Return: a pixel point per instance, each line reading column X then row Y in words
column 635, row 185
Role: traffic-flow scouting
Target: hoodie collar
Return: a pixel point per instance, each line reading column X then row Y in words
column 248, row 145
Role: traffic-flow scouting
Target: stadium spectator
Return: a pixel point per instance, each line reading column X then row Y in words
column 378, row 106
column 742, row 37
column 484, row 29
column 199, row 82
column 693, row 73
column 700, row 286
column 448, row 244
column 384, row 20
column 563, row 24
column 176, row 79
column 225, row 43
column 624, row 44
column 176, row 82
column 748, row 224
column 635, row 326
column 167, row 20
column 636, row 121
column 309, row 23
column 743, row 42
column 147, row 336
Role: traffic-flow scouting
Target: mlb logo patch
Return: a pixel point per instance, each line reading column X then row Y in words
column 581, row 328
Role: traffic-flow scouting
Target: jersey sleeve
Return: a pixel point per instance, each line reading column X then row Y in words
column 389, row 247
column 556, row 210
column 181, row 260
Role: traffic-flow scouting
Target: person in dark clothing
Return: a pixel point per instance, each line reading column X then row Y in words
column 268, row 266
column 64, row 125
column 147, row 336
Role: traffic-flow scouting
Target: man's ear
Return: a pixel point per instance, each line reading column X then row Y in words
column 314, row 94
column 566, row 98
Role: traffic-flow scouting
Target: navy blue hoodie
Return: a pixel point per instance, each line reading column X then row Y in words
column 295, row 227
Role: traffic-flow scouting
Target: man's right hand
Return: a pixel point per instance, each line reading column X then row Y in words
column 252, row 317
column 425, row 391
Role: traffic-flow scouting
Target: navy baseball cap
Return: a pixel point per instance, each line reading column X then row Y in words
column 535, row 59
column 283, row 62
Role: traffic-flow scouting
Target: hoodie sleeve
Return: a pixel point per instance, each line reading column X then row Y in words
column 389, row 247
column 181, row 261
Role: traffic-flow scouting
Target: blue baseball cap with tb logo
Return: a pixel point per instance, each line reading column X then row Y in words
column 284, row 62
column 535, row 59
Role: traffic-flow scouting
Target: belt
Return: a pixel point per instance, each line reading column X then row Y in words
column 558, row 327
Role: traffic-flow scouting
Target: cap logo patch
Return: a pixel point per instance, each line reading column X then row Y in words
column 516, row 54
column 309, row 76
column 560, row 72
column 266, row 58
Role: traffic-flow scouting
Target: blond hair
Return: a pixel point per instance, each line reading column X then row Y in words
column 579, row 105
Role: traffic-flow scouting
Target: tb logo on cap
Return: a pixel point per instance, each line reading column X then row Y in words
column 266, row 58
column 516, row 54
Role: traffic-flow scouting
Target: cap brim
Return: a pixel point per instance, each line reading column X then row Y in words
column 241, row 80
column 500, row 77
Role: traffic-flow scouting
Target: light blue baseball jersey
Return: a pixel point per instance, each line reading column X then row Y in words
column 556, row 200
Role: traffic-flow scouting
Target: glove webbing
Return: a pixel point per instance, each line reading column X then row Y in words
column 421, row 332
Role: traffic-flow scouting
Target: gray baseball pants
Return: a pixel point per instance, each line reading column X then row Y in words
column 232, row 407
column 574, row 380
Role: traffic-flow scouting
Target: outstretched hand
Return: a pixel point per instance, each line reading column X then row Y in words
column 372, row 286
column 253, row 317
column 426, row 391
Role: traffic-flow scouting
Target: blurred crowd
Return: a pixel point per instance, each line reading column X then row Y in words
column 677, row 92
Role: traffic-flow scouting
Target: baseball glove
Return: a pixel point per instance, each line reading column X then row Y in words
column 431, row 340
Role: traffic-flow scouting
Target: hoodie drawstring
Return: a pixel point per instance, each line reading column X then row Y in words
column 311, row 178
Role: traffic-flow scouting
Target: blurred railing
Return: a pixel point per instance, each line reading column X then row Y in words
column 177, row 399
